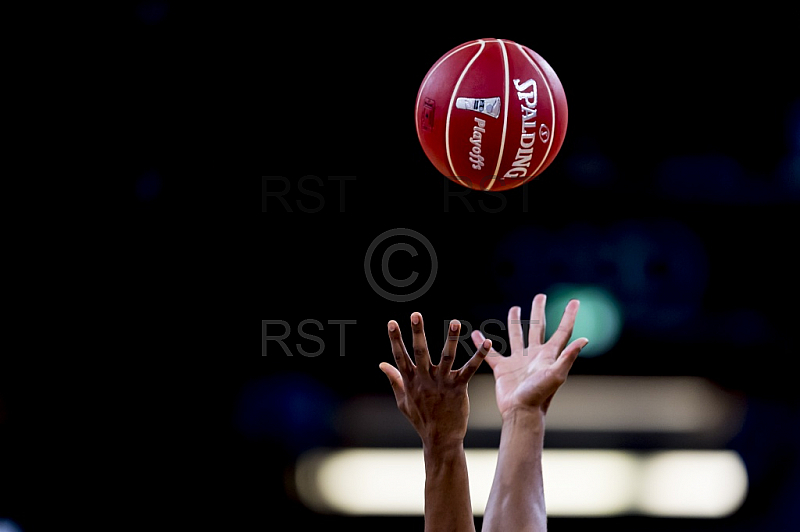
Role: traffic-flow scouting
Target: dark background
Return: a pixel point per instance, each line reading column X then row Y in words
column 676, row 190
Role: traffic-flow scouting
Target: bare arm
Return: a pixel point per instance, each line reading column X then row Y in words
column 525, row 384
column 447, row 501
column 434, row 399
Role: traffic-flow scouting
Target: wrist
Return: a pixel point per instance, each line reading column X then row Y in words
column 531, row 416
column 442, row 456
column 442, row 445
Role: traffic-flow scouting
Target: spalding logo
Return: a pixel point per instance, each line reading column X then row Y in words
column 529, row 99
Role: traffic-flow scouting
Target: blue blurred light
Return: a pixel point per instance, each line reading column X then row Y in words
column 793, row 128
column 7, row 525
column 590, row 168
column 520, row 261
column 656, row 269
column 291, row 409
column 789, row 174
column 151, row 12
column 660, row 272
column 148, row 186
column 707, row 178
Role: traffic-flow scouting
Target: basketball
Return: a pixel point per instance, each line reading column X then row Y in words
column 491, row 114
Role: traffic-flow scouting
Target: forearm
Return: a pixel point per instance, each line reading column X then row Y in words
column 516, row 501
column 447, row 502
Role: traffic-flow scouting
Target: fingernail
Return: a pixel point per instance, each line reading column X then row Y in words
column 415, row 318
column 454, row 326
column 392, row 326
column 487, row 344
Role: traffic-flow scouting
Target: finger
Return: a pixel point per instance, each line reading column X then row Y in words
column 395, row 379
column 564, row 331
column 536, row 331
column 420, row 344
column 401, row 357
column 568, row 357
column 477, row 338
column 493, row 356
column 472, row 365
column 450, row 346
column 560, row 369
column 515, row 331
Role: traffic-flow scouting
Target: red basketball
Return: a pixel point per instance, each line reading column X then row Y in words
column 491, row 114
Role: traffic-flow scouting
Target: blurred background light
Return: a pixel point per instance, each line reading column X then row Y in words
column 707, row 178
column 583, row 483
column 789, row 174
column 685, row 406
column 152, row 12
column 148, row 186
column 589, row 166
column 576, row 482
column 788, row 171
column 654, row 273
column 698, row 484
column 793, row 128
column 681, row 411
column 293, row 410
column 521, row 262
column 657, row 270
column 7, row 525
column 363, row 481
column 599, row 319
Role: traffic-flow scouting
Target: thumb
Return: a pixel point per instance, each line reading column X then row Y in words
column 569, row 354
column 395, row 379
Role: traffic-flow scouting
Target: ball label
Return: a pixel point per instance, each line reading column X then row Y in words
column 489, row 106
column 477, row 135
column 529, row 99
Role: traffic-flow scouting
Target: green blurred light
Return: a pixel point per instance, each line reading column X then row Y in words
column 599, row 318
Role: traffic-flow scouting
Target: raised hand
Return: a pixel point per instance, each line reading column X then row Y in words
column 530, row 376
column 432, row 396
column 525, row 383
column 434, row 399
